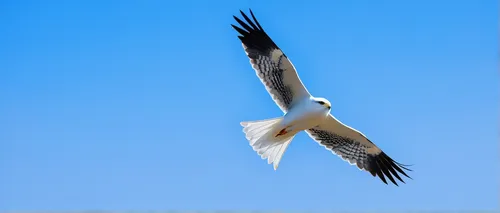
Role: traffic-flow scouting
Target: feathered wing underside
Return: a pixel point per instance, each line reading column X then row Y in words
column 271, row 65
column 355, row 148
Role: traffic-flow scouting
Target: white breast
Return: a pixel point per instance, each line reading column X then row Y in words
column 305, row 114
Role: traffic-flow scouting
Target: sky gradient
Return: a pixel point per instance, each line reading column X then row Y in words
column 135, row 105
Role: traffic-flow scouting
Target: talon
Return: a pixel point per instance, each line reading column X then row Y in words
column 282, row 132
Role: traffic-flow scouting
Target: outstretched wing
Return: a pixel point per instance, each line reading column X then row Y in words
column 271, row 65
column 356, row 149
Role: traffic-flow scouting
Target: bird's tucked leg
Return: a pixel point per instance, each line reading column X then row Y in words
column 282, row 132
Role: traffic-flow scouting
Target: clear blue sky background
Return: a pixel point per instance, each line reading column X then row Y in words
column 130, row 105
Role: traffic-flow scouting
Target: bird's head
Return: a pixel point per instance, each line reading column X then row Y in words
column 323, row 102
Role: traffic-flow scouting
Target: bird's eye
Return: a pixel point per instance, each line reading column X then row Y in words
column 321, row 102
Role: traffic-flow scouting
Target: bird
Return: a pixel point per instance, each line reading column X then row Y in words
column 302, row 112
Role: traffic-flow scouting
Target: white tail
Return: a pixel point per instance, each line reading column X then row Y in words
column 261, row 135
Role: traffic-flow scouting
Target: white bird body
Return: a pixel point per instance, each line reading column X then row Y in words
column 302, row 112
column 268, row 137
column 305, row 114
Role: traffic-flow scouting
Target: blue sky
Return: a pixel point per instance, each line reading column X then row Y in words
column 129, row 105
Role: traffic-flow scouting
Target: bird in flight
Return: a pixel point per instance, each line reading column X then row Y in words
column 302, row 112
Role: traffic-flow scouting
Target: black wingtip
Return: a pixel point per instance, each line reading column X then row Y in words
column 243, row 13
column 252, row 35
column 383, row 167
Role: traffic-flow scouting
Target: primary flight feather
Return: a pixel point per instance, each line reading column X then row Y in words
column 302, row 112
